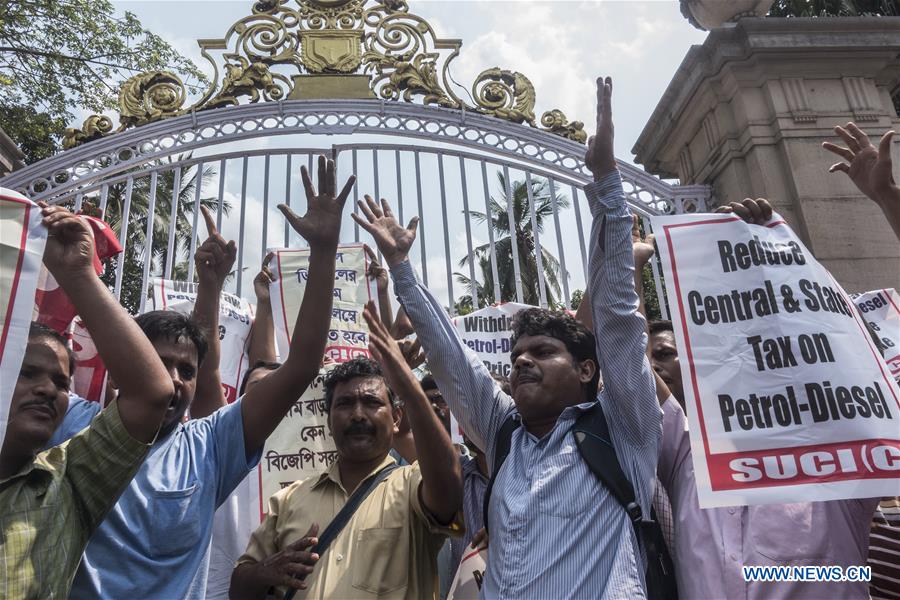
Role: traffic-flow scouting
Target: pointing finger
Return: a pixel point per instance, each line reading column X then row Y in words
column 307, row 182
column 884, row 147
column 839, row 150
column 839, row 167
column 210, row 221
column 348, row 187
column 847, row 137
column 323, row 175
column 859, row 134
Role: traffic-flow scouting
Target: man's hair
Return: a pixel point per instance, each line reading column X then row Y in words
column 39, row 330
column 659, row 326
column 260, row 364
column 579, row 340
column 428, row 383
column 352, row 369
column 171, row 325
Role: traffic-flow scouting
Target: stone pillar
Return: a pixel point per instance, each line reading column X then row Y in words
column 747, row 111
column 10, row 155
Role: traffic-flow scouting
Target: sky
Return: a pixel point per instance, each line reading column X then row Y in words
column 562, row 46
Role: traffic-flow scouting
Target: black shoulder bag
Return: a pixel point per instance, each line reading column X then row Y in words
column 341, row 519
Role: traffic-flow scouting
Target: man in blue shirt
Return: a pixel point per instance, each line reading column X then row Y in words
column 155, row 541
column 555, row 530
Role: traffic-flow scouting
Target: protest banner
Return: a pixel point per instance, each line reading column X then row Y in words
column 90, row 372
column 487, row 333
column 470, row 575
column 301, row 445
column 235, row 320
column 53, row 308
column 348, row 336
column 787, row 396
column 881, row 310
column 22, row 240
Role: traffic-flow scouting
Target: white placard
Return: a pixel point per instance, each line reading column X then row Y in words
column 348, row 336
column 881, row 310
column 787, row 395
column 22, row 240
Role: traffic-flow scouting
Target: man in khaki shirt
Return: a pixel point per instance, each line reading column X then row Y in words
column 389, row 547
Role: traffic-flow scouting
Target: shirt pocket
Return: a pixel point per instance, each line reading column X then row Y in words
column 175, row 527
column 791, row 533
column 376, row 566
column 561, row 491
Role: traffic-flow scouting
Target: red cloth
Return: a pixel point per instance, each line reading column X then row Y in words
column 54, row 309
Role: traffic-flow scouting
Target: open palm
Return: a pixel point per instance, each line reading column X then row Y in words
column 321, row 225
column 393, row 240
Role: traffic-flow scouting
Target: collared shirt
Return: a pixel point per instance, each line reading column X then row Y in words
column 53, row 504
column 79, row 415
column 388, row 549
column 555, row 530
column 884, row 550
column 713, row 544
column 474, row 487
column 154, row 543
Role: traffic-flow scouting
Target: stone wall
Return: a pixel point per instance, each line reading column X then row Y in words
column 747, row 111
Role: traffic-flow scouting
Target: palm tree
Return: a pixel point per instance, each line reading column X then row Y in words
column 136, row 250
column 525, row 244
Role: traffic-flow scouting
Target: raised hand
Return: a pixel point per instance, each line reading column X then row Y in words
column 412, row 352
column 70, row 244
column 385, row 350
column 600, row 158
column 394, row 241
column 641, row 246
column 755, row 212
column 869, row 168
column 215, row 257
column 263, row 279
column 376, row 272
column 321, row 225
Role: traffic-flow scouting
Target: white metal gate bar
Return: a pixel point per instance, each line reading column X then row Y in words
column 487, row 210
column 173, row 218
column 123, row 235
column 198, row 180
column 69, row 170
column 148, row 239
column 89, row 171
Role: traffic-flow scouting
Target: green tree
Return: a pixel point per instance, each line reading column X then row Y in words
column 37, row 134
column 577, row 295
column 498, row 220
column 55, row 55
column 832, row 8
column 136, row 251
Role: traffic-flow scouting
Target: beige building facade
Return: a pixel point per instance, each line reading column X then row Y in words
column 747, row 111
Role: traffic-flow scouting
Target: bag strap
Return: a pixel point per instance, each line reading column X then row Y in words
column 344, row 515
column 591, row 433
column 592, row 437
column 502, row 444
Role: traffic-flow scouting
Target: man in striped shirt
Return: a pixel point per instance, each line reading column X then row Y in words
column 555, row 531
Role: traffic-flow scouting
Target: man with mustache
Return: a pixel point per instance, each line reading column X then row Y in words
column 555, row 530
column 53, row 500
column 389, row 546
column 155, row 541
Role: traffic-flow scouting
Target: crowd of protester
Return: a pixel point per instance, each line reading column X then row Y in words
column 122, row 502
